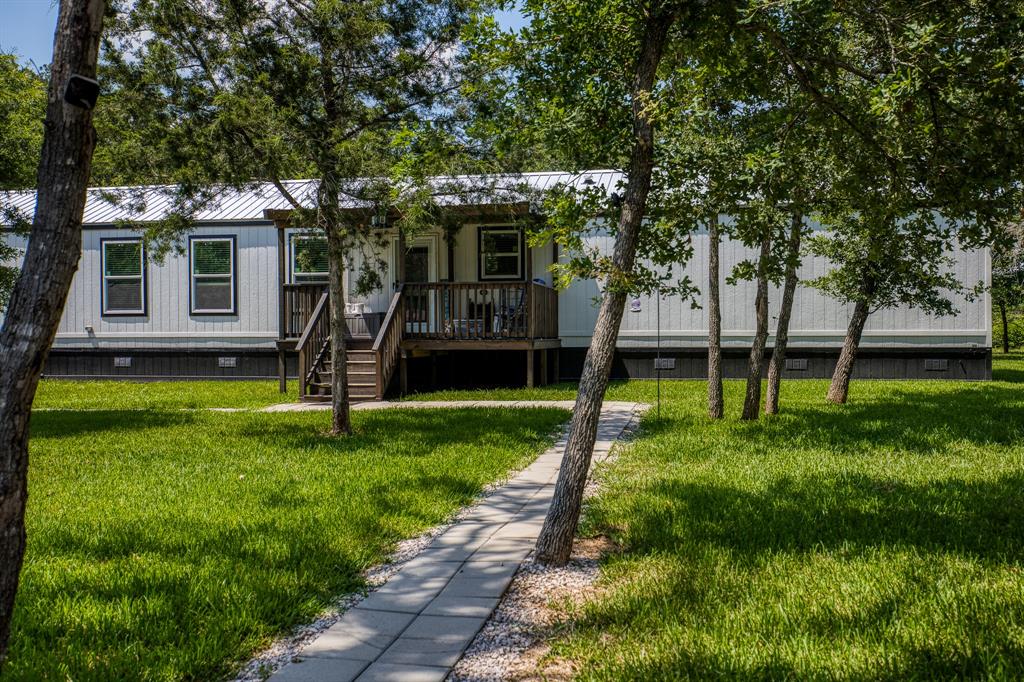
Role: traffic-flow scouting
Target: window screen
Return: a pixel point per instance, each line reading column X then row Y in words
column 500, row 253
column 213, row 275
column 309, row 259
column 124, row 286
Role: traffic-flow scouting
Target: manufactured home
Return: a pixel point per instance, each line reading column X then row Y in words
column 245, row 298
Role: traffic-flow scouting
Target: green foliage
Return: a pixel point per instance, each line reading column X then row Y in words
column 887, row 261
column 168, row 544
column 361, row 96
column 918, row 106
column 1008, row 267
column 22, row 109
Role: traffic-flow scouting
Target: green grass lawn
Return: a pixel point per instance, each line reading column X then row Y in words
column 168, row 544
column 879, row 540
column 65, row 394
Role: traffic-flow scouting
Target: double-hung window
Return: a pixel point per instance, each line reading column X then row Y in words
column 124, row 277
column 308, row 258
column 501, row 253
column 212, row 275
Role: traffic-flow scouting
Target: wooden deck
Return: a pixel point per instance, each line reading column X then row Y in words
column 422, row 317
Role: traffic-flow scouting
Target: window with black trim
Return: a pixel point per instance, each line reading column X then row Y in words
column 501, row 253
column 212, row 275
column 124, row 277
column 308, row 258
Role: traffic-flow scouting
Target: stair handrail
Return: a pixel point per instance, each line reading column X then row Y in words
column 301, row 347
column 388, row 344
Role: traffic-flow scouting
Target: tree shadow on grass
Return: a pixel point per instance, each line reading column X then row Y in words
column 714, row 550
column 70, row 423
column 919, row 421
column 267, row 573
column 977, row 518
column 245, row 561
column 407, row 433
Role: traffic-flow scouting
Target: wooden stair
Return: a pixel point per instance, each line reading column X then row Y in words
column 370, row 363
column 362, row 378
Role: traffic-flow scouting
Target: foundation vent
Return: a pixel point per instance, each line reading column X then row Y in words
column 799, row 364
column 934, row 365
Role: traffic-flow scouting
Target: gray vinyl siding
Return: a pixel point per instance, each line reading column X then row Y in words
column 817, row 319
column 168, row 322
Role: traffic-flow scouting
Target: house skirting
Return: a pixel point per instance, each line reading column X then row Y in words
column 802, row 363
column 485, row 368
column 152, row 364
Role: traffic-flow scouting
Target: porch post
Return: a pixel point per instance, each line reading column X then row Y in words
column 557, row 352
column 528, row 295
column 400, row 265
column 529, row 368
column 451, row 258
column 282, row 371
column 403, row 373
column 544, row 367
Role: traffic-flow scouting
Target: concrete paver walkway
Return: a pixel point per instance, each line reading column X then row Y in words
column 416, row 626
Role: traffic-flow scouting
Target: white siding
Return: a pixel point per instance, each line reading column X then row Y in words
column 817, row 319
column 168, row 322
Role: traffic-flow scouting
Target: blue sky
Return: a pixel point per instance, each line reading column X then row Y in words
column 26, row 28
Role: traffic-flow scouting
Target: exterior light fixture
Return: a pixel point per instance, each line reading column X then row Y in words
column 634, row 306
column 81, row 91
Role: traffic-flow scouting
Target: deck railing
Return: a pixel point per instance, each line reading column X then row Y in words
column 387, row 347
column 543, row 312
column 314, row 343
column 480, row 310
column 299, row 303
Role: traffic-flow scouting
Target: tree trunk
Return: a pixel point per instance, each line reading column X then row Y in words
column 716, row 399
column 329, row 203
column 1006, row 326
column 778, row 361
column 340, row 420
column 555, row 542
column 752, row 401
column 839, row 389
column 37, row 302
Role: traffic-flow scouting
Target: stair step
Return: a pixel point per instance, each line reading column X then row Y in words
column 357, row 382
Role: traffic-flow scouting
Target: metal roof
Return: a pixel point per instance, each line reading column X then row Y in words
column 107, row 205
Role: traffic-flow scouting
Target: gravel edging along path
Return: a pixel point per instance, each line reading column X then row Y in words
column 514, row 642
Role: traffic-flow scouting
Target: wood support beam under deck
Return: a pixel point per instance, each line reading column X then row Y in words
column 479, row 344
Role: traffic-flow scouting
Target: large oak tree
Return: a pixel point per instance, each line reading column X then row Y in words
column 37, row 301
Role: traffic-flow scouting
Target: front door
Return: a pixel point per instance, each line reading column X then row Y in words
column 417, row 301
